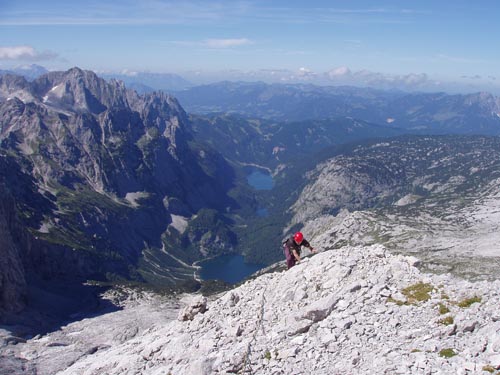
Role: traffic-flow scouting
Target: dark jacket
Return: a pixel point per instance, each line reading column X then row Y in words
column 292, row 245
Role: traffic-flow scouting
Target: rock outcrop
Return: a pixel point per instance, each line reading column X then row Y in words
column 110, row 170
column 353, row 310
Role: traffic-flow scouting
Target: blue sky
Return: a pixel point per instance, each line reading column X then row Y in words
column 426, row 44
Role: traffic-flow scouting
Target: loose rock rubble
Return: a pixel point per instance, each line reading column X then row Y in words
column 131, row 313
column 339, row 312
column 196, row 306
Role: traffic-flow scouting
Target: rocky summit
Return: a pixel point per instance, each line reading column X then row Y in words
column 355, row 310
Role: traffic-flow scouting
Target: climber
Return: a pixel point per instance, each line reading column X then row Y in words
column 292, row 247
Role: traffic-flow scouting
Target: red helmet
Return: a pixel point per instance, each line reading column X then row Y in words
column 298, row 237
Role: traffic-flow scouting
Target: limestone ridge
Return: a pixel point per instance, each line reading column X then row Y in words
column 437, row 197
column 354, row 310
column 112, row 168
column 82, row 121
column 383, row 172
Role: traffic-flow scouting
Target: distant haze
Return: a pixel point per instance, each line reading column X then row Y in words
column 417, row 46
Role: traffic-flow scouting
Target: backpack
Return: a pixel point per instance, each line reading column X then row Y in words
column 286, row 251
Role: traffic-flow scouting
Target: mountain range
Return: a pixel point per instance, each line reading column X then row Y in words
column 102, row 183
column 142, row 82
column 436, row 113
column 96, row 175
column 105, row 187
column 30, row 72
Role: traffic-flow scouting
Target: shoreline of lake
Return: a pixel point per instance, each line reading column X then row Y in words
column 230, row 268
column 260, row 180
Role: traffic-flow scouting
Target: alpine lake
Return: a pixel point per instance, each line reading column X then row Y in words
column 232, row 268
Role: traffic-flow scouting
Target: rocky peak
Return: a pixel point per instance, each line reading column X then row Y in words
column 80, row 90
column 484, row 101
column 13, row 86
column 12, row 82
column 354, row 310
column 90, row 110
column 109, row 158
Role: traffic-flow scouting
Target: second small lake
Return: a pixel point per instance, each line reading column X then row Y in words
column 262, row 212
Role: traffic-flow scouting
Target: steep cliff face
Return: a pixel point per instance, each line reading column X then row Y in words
column 111, row 169
column 87, row 127
column 12, row 281
column 26, row 256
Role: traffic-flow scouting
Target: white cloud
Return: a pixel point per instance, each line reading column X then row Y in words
column 24, row 53
column 339, row 72
column 474, row 77
column 420, row 82
column 343, row 75
column 130, row 73
column 16, row 53
column 226, row 43
column 153, row 12
column 125, row 12
column 305, row 73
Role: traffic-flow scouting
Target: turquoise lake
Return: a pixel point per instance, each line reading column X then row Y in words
column 260, row 180
column 229, row 268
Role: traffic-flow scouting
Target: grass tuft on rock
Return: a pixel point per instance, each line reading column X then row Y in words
column 447, row 353
column 443, row 309
column 469, row 301
column 419, row 292
column 489, row 368
column 447, row 321
column 396, row 301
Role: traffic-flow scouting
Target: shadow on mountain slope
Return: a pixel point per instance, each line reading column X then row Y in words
column 53, row 304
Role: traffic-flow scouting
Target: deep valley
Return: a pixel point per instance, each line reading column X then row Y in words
column 105, row 189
